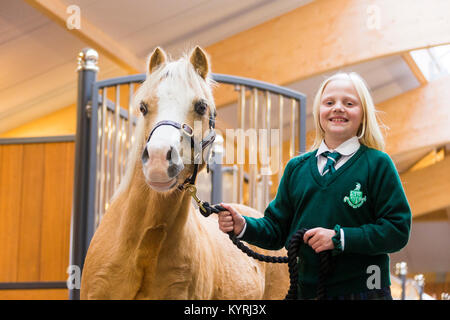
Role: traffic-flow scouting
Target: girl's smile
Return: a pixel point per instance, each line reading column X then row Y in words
column 340, row 112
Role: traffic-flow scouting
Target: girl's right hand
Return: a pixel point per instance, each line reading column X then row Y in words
column 230, row 220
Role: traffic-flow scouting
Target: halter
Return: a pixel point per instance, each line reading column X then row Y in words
column 188, row 132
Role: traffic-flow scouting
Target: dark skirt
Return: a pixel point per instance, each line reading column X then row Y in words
column 376, row 294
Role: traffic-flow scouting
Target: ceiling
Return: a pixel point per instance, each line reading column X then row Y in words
column 38, row 56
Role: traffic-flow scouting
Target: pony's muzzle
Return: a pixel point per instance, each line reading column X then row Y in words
column 157, row 161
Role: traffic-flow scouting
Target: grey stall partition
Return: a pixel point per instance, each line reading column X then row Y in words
column 105, row 135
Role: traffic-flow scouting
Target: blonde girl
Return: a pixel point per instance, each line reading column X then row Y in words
column 345, row 191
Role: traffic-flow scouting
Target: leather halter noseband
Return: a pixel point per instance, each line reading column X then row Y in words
column 189, row 132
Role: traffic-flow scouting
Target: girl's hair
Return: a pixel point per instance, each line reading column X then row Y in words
column 369, row 133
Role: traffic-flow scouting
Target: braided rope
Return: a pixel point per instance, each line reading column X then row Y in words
column 291, row 259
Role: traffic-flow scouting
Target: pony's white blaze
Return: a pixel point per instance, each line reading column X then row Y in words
column 175, row 100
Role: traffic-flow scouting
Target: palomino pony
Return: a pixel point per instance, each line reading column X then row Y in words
column 152, row 243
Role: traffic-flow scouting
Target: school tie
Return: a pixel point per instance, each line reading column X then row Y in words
column 332, row 158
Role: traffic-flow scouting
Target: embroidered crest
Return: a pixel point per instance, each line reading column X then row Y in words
column 356, row 198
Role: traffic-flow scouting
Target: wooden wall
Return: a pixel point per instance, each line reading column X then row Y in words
column 36, row 182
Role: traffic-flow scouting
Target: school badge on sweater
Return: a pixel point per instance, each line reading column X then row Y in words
column 356, row 198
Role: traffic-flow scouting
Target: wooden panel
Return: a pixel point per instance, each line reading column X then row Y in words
column 10, row 206
column 35, row 294
column 428, row 189
column 57, row 198
column 31, row 213
column 67, row 204
column 36, row 183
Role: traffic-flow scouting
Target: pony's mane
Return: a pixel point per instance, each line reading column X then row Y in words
column 179, row 70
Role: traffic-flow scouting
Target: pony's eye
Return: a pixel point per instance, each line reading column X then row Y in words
column 200, row 107
column 143, row 108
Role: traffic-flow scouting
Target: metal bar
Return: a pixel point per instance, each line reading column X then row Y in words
column 101, row 208
column 52, row 139
column 263, row 86
column 112, row 107
column 84, row 141
column 137, row 78
column 241, row 112
column 266, row 161
column 108, row 162
column 116, row 152
column 292, row 138
column 130, row 116
column 280, row 144
column 302, row 125
column 222, row 78
column 100, row 128
column 121, row 149
column 92, row 170
column 33, row 285
column 253, row 168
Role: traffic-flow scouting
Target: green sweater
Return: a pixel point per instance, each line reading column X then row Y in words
column 364, row 196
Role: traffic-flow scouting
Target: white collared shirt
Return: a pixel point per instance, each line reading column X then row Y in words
column 347, row 149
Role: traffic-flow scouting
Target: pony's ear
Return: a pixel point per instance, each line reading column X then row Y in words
column 200, row 61
column 157, row 58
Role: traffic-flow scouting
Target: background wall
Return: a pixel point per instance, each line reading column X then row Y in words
column 36, row 182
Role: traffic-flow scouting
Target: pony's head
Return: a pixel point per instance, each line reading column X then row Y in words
column 176, row 126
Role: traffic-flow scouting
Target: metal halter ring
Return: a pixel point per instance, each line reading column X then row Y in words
column 187, row 130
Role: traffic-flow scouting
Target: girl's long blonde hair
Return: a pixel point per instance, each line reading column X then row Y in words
column 369, row 133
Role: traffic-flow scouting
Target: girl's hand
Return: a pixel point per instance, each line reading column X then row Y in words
column 230, row 220
column 319, row 239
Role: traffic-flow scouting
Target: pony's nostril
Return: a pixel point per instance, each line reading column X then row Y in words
column 174, row 170
column 145, row 156
column 169, row 154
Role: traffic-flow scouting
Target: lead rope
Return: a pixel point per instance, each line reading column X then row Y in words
column 293, row 249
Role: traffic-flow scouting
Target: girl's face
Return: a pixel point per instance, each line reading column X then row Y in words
column 340, row 111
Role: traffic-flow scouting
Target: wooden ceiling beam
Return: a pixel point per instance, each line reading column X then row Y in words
column 414, row 68
column 91, row 35
column 326, row 35
column 427, row 189
column 418, row 118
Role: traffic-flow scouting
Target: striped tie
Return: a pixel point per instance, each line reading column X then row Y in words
column 332, row 158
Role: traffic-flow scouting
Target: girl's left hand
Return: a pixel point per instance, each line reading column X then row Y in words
column 319, row 239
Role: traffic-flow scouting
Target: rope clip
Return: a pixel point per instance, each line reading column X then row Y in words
column 192, row 189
